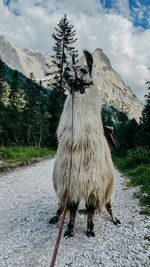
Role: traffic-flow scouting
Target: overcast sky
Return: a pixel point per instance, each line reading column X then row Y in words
column 120, row 27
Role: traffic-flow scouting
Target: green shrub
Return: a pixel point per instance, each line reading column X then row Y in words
column 140, row 176
column 135, row 165
column 137, row 156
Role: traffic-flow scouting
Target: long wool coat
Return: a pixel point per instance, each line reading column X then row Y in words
column 92, row 176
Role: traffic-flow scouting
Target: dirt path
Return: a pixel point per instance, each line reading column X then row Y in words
column 27, row 201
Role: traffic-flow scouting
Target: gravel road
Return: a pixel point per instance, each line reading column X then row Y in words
column 27, row 201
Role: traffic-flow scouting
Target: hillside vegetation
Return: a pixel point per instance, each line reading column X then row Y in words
column 136, row 166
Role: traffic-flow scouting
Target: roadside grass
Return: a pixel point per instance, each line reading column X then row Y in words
column 138, row 174
column 14, row 154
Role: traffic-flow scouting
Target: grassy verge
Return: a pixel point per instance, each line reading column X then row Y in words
column 137, row 169
column 16, row 154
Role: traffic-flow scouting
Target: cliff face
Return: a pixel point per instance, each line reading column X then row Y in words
column 114, row 92
column 25, row 61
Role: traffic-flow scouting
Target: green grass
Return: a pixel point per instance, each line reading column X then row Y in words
column 16, row 154
column 139, row 175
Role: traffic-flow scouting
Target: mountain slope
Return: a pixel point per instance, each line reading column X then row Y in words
column 114, row 92
column 25, row 61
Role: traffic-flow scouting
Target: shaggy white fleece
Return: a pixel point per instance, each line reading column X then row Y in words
column 92, row 176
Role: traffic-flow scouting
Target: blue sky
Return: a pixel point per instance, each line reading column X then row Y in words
column 139, row 10
column 120, row 27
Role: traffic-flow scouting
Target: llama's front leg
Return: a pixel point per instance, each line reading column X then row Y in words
column 110, row 211
column 55, row 219
column 90, row 224
column 72, row 211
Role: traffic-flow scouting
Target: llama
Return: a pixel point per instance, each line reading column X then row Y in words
column 92, row 178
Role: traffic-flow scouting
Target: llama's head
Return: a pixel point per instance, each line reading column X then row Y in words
column 79, row 78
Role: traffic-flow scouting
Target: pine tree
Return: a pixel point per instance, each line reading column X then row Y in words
column 2, row 84
column 144, row 136
column 40, row 117
column 14, row 96
column 145, row 119
column 4, row 131
column 36, row 114
column 64, row 37
column 14, row 110
column 30, row 98
column 56, row 102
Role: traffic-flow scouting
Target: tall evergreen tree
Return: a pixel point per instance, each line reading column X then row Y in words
column 30, row 98
column 145, row 119
column 35, row 114
column 40, row 116
column 2, row 84
column 4, row 131
column 55, row 109
column 14, row 109
column 42, row 119
column 64, row 37
column 14, row 96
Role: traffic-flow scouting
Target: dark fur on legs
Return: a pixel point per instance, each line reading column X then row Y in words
column 72, row 211
column 82, row 211
column 90, row 225
column 110, row 211
column 55, row 219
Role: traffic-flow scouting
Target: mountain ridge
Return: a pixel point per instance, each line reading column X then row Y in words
column 26, row 60
column 114, row 92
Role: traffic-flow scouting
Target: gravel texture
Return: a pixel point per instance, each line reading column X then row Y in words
column 28, row 200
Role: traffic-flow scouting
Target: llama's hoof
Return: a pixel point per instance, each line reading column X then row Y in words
column 116, row 221
column 90, row 233
column 69, row 233
column 53, row 220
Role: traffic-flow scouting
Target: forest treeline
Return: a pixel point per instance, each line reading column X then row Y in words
column 24, row 112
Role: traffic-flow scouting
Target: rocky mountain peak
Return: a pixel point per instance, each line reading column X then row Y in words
column 101, row 59
column 4, row 39
column 26, row 60
column 113, row 91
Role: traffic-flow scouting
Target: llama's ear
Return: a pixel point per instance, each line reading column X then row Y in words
column 89, row 60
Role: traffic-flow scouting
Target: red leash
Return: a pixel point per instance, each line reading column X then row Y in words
column 66, row 201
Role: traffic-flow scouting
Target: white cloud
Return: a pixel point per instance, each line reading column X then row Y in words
column 6, row 15
column 126, row 46
column 122, row 7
